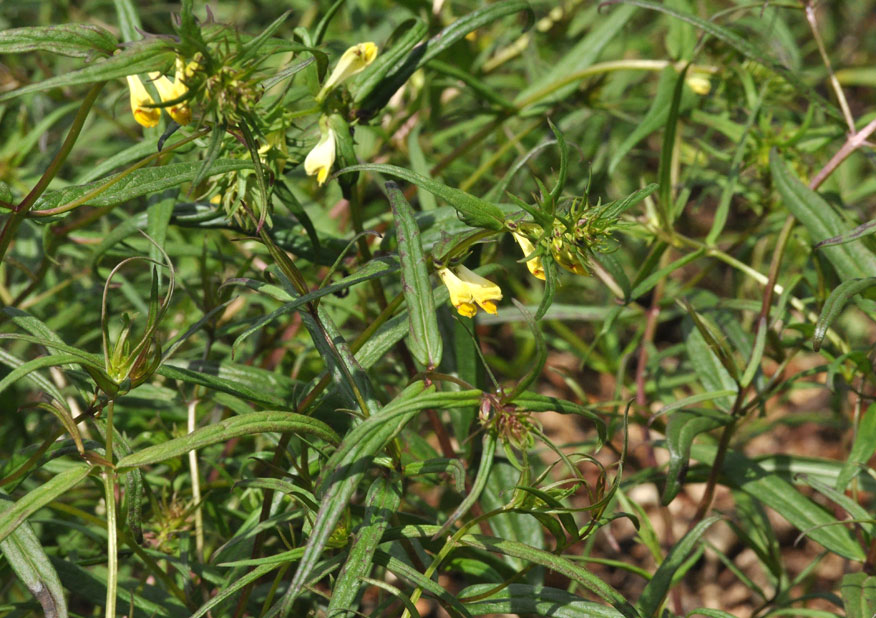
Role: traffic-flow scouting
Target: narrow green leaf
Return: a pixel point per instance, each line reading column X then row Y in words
column 470, row 22
column 234, row 427
column 474, row 211
column 67, row 39
column 615, row 209
column 30, row 563
column 705, row 362
column 756, row 354
column 757, row 480
column 381, row 504
column 141, row 57
column 251, row 48
column 129, row 20
column 140, row 182
column 483, row 473
column 535, row 402
column 38, row 363
column 710, row 613
column 851, row 260
column 681, row 430
column 657, row 589
column 524, row 599
column 664, row 173
column 30, row 503
column 556, row 563
column 429, row 586
column 205, row 375
column 550, row 286
column 835, row 304
column 862, row 449
column 654, row 119
column 393, row 66
column 424, row 340
column 439, row 465
column 859, row 595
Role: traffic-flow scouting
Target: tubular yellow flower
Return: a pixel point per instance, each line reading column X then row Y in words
column 484, row 292
column 534, row 265
column 460, row 294
column 320, row 159
column 172, row 90
column 140, row 99
column 352, row 61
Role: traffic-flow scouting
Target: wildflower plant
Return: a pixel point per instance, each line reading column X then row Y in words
column 394, row 309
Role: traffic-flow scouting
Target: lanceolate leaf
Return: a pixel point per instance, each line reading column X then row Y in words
column 67, row 39
column 11, row 517
column 424, row 340
column 862, row 449
column 137, row 183
column 235, row 427
column 141, row 57
column 773, row 491
column 381, row 503
column 30, row 563
column 682, row 429
column 851, row 260
column 656, row 589
column 473, row 210
column 835, row 304
column 859, row 595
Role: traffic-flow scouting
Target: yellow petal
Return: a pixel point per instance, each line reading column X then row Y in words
column 484, row 292
column 140, row 99
column 354, row 60
column 534, row 265
column 321, row 158
column 171, row 91
column 460, row 294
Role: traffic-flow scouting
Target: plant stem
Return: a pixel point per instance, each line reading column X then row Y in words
column 196, row 483
column 109, row 481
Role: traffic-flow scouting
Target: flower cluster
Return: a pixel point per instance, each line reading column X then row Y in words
column 173, row 93
column 321, row 158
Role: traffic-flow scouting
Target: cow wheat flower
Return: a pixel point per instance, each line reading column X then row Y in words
column 140, row 102
column 172, row 90
column 320, row 159
column 354, row 60
column 467, row 288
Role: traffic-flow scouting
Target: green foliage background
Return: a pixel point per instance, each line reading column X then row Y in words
column 228, row 390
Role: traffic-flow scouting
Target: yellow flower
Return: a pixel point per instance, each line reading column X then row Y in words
column 468, row 288
column 320, row 159
column 140, row 100
column 534, row 265
column 354, row 60
column 699, row 83
column 173, row 90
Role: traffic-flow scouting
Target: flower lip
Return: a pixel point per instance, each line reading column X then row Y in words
column 141, row 102
column 321, row 157
column 460, row 294
column 354, row 60
column 484, row 292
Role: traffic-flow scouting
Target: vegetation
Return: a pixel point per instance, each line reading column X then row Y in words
column 437, row 308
